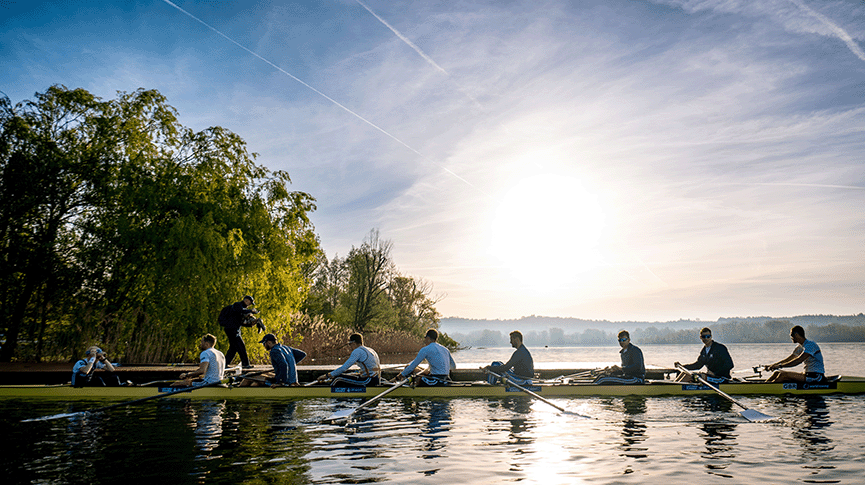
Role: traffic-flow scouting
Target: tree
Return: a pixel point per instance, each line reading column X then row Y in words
column 370, row 269
column 415, row 310
column 365, row 292
column 148, row 227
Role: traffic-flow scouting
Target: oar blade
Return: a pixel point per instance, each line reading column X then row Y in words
column 756, row 416
column 52, row 417
column 339, row 416
column 576, row 414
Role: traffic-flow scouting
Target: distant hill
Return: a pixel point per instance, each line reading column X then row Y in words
column 540, row 330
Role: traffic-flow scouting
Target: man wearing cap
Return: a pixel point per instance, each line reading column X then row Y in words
column 365, row 358
column 94, row 360
column 210, row 369
column 238, row 318
column 284, row 361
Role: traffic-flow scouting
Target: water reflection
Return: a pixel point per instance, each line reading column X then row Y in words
column 633, row 410
column 809, row 427
column 633, row 428
column 207, row 424
column 719, row 436
column 237, row 440
column 436, row 429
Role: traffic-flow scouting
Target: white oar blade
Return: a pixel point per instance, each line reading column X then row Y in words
column 53, row 416
column 756, row 416
column 339, row 416
column 574, row 413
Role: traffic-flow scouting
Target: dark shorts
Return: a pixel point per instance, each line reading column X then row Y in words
column 431, row 381
column 620, row 380
column 814, row 377
column 355, row 380
column 717, row 380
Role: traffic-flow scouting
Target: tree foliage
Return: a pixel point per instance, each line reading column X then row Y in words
column 120, row 226
column 364, row 292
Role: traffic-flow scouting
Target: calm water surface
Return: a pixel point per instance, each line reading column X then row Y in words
column 628, row 440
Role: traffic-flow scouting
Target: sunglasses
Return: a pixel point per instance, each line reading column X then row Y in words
column 709, row 335
column 624, row 339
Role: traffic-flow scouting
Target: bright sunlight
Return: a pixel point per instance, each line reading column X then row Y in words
column 547, row 230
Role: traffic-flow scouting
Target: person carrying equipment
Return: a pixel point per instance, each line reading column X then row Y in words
column 232, row 318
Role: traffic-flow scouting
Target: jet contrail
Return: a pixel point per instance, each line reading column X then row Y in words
column 370, row 123
column 417, row 49
column 841, row 33
column 794, row 184
column 404, row 39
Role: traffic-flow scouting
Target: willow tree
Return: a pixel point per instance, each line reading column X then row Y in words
column 159, row 225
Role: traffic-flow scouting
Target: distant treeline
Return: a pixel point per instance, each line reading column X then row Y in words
column 770, row 331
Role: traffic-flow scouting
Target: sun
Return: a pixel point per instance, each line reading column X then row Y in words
column 547, row 230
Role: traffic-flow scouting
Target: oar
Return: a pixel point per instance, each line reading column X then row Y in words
column 533, row 394
column 135, row 401
column 579, row 375
column 344, row 414
column 749, row 414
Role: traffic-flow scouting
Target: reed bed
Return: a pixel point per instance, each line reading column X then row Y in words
column 326, row 342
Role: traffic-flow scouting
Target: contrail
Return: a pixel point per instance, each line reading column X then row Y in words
column 841, row 33
column 370, row 123
column 793, row 184
column 404, row 39
column 417, row 49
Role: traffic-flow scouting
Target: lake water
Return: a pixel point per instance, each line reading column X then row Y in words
column 627, row 440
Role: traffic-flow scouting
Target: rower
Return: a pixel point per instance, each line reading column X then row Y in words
column 520, row 368
column 284, row 361
column 632, row 370
column 806, row 351
column 365, row 358
column 210, row 369
column 714, row 356
column 437, row 356
column 95, row 360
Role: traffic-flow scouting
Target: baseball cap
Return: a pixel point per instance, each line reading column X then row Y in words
column 267, row 337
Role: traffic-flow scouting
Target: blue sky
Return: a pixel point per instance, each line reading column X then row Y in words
column 619, row 160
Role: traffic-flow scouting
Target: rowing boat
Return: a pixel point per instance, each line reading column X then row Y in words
column 841, row 385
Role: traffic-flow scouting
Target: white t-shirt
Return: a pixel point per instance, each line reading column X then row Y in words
column 814, row 361
column 216, row 365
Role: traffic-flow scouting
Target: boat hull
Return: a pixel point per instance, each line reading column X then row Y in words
column 845, row 385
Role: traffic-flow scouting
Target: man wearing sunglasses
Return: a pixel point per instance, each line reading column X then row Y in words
column 632, row 370
column 714, row 356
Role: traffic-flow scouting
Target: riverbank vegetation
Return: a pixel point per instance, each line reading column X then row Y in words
column 122, row 228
